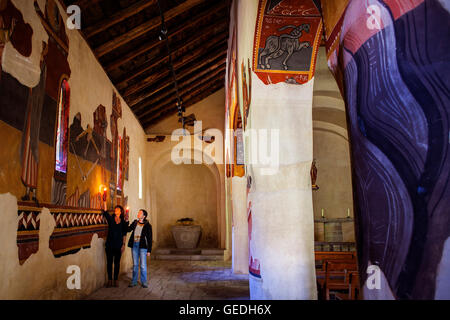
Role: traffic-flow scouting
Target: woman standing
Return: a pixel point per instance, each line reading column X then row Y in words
column 115, row 242
column 141, row 245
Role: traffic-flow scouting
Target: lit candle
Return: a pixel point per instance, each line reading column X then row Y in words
column 104, row 193
column 348, row 212
column 322, row 213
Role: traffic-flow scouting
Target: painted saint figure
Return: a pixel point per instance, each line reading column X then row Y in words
column 30, row 139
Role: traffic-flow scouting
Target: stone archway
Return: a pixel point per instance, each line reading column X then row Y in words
column 162, row 163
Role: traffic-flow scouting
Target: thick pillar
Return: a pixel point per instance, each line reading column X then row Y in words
column 279, row 42
column 282, row 224
column 240, row 226
column 391, row 59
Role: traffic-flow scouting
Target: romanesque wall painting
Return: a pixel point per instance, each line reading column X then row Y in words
column 231, row 97
column 254, row 266
column 238, row 143
column 53, row 161
column 287, row 37
column 246, row 78
column 13, row 29
column 392, row 59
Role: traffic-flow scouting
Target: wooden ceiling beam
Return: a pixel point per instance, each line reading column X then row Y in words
column 198, row 38
column 85, row 3
column 189, row 102
column 149, row 46
column 185, row 72
column 183, row 90
column 144, row 28
column 186, row 80
column 220, row 52
column 118, row 17
column 185, row 94
column 187, row 58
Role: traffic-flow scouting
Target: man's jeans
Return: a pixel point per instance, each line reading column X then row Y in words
column 142, row 254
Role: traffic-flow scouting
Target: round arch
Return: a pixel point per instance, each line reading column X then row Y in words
column 162, row 159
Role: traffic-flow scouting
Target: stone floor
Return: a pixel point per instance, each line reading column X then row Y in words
column 181, row 280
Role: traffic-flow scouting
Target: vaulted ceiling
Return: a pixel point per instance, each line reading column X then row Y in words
column 124, row 36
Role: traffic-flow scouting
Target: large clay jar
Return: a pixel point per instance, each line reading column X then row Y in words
column 186, row 237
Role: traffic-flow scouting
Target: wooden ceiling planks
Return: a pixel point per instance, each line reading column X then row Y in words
column 124, row 38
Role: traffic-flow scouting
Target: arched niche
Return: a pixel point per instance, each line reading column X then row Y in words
column 159, row 167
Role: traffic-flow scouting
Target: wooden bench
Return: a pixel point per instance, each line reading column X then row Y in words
column 327, row 255
column 322, row 257
column 333, row 282
column 353, row 288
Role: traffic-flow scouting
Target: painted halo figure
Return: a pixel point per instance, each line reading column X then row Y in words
column 115, row 242
column 141, row 246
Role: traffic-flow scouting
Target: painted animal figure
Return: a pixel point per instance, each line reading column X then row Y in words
column 276, row 46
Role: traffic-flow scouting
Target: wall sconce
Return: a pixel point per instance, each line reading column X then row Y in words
column 104, row 193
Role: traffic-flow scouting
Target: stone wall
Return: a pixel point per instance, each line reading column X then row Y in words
column 42, row 275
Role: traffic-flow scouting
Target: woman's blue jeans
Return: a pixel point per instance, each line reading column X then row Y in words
column 142, row 255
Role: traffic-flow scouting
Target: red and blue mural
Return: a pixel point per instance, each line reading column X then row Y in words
column 391, row 59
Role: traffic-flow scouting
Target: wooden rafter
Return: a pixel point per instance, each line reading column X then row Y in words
column 183, row 90
column 188, row 78
column 149, row 46
column 219, row 52
column 144, row 28
column 196, row 39
column 185, row 95
column 197, row 36
column 118, row 17
column 183, row 60
column 188, row 102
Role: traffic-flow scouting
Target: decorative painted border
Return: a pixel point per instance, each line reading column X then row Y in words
column 74, row 229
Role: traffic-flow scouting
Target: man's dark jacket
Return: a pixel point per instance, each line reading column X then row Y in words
column 146, row 235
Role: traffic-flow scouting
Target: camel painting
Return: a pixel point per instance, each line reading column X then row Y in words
column 276, row 46
column 286, row 42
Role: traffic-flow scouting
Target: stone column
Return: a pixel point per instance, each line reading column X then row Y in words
column 278, row 144
column 282, row 223
column 240, row 225
column 391, row 61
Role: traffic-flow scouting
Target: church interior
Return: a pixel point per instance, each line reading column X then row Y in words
column 283, row 149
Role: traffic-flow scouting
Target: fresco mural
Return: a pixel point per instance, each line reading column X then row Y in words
column 254, row 266
column 391, row 59
column 246, row 73
column 287, row 38
column 13, row 29
column 50, row 162
column 231, row 100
